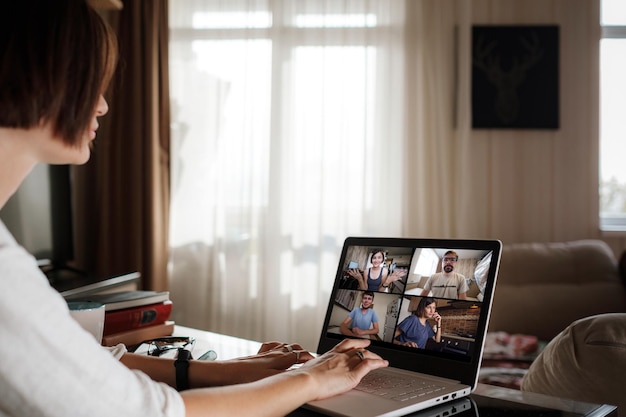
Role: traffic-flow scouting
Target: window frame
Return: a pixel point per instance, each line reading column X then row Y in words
column 609, row 223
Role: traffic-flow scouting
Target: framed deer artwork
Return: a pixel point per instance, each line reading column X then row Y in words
column 515, row 77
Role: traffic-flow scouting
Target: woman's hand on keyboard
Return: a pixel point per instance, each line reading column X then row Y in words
column 340, row 369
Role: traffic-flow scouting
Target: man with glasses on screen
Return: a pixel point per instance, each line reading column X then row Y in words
column 447, row 283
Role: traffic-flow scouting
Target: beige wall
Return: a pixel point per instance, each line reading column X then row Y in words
column 514, row 185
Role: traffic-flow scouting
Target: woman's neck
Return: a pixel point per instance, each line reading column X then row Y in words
column 15, row 163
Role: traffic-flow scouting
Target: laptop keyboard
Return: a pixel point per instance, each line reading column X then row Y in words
column 396, row 387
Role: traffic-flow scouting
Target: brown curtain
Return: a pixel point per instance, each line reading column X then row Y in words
column 122, row 194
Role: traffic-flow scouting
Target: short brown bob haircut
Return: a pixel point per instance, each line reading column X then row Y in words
column 56, row 59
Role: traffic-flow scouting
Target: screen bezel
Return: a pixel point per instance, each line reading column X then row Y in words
column 459, row 368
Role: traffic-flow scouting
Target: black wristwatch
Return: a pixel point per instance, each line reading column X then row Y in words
column 182, row 369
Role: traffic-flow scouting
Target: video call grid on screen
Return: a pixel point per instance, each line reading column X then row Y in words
column 400, row 300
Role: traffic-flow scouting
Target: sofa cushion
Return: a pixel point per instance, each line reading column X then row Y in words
column 585, row 362
column 543, row 287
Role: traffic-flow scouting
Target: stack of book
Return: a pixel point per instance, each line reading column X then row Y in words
column 133, row 316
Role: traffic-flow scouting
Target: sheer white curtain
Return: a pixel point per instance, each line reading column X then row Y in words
column 300, row 122
column 290, row 126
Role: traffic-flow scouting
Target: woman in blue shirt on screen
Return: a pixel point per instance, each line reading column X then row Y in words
column 414, row 331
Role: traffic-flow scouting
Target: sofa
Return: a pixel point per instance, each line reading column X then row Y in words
column 569, row 298
column 543, row 287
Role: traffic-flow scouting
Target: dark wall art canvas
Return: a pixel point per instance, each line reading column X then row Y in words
column 515, row 77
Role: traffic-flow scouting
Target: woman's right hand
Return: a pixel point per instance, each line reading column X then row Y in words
column 342, row 368
column 355, row 273
column 358, row 275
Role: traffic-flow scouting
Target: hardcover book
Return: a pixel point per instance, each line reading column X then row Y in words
column 125, row 299
column 116, row 321
column 136, row 336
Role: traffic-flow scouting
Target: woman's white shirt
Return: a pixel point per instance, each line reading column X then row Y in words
column 50, row 366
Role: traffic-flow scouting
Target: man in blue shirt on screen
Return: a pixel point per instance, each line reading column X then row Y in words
column 362, row 321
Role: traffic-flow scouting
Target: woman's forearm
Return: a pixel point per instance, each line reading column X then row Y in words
column 201, row 373
column 214, row 373
column 438, row 334
column 273, row 396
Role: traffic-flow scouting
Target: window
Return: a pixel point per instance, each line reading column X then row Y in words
column 612, row 120
column 426, row 263
column 277, row 109
column 253, row 94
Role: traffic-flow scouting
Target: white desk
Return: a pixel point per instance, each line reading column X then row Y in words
column 493, row 400
column 226, row 347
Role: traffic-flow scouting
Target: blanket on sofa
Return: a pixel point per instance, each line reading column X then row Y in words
column 507, row 357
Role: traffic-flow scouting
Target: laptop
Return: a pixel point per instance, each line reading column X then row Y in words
column 426, row 367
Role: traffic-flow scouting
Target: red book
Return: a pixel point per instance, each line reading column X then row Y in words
column 136, row 317
column 136, row 336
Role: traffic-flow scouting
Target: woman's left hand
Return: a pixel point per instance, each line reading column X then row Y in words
column 301, row 354
column 272, row 358
column 397, row 275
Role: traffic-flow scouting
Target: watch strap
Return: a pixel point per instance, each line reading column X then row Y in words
column 182, row 369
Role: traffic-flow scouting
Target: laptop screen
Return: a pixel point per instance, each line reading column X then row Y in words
column 423, row 303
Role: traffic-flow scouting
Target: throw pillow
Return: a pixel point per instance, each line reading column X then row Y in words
column 585, row 362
